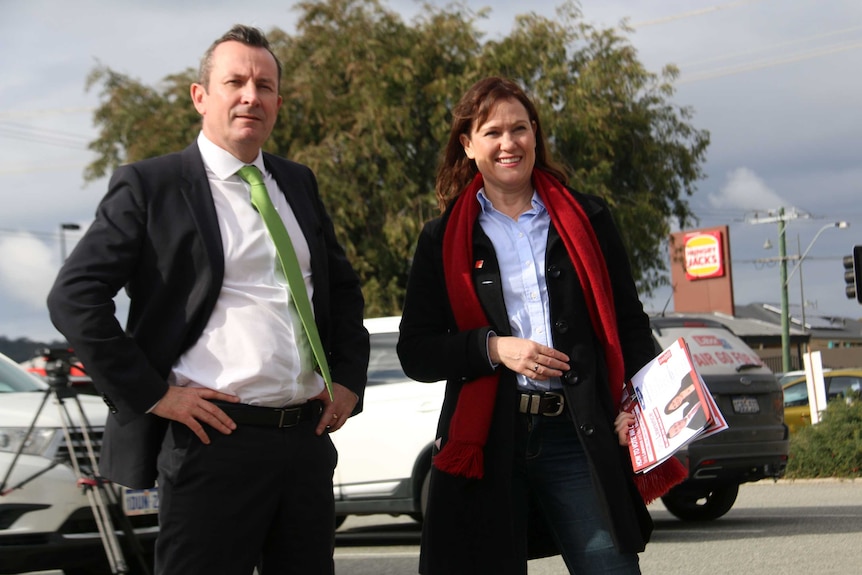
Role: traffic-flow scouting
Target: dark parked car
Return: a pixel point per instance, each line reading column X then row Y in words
column 755, row 445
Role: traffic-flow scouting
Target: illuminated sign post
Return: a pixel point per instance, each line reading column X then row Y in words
column 704, row 257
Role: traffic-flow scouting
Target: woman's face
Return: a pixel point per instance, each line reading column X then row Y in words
column 504, row 148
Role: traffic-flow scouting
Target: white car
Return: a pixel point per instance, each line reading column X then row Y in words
column 45, row 518
column 384, row 453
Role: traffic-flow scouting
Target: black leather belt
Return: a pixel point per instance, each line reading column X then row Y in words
column 547, row 403
column 244, row 414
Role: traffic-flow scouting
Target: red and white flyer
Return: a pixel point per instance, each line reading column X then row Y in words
column 672, row 407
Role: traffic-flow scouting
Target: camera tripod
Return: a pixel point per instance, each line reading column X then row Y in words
column 101, row 494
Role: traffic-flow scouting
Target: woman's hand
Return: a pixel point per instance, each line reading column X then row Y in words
column 527, row 357
column 622, row 424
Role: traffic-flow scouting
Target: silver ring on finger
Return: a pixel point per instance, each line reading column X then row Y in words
column 536, row 367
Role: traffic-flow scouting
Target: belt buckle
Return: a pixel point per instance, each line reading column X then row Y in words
column 561, row 404
column 288, row 417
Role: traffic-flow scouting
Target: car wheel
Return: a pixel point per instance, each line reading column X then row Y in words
column 423, row 498
column 701, row 506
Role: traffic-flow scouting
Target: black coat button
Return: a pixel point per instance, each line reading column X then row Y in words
column 588, row 429
column 562, row 326
column 554, row 272
column 111, row 407
column 571, row 377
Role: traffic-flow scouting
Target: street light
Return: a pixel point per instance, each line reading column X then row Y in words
column 63, row 228
column 839, row 225
column 785, row 277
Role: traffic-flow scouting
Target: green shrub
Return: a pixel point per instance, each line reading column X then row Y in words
column 833, row 447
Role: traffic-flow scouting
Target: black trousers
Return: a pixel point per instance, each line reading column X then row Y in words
column 261, row 496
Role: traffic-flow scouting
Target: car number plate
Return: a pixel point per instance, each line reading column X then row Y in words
column 744, row 404
column 140, row 501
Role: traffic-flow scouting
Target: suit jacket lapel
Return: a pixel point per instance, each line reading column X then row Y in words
column 196, row 190
column 487, row 281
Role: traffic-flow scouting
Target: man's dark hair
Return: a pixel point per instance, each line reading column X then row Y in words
column 248, row 35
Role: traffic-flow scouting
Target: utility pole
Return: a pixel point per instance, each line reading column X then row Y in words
column 785, row 314
column 782, row 218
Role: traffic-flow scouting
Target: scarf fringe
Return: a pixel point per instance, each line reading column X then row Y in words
column 658, row 481
column 462, row 459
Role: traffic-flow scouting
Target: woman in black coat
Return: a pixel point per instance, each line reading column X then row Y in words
column 522, row 298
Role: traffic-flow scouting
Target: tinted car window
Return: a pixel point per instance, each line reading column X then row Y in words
column 383, row 364
column 840, row 384
column 796, row 394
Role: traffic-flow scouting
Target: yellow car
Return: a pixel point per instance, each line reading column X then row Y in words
column 837, row 382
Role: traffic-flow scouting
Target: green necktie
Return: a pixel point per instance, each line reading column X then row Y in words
column 289, row 263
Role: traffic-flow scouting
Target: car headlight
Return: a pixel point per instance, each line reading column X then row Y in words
column 38, row 442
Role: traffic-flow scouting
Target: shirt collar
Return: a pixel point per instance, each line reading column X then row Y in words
column 487, row 207
column 222, row 163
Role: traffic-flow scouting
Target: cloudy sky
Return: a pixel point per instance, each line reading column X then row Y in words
column 776, row 82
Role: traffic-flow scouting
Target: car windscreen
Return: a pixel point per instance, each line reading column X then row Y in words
column 383, row 364
column 14, row 378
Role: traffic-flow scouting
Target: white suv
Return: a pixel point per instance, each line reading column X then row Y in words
column 384, row 453
column 45, row 518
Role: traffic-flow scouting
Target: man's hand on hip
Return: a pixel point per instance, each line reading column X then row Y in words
column 337, row 411
column 192, row 406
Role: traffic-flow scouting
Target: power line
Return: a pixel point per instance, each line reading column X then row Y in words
column 748, row 53
column 38, row 168
column 28, row 233
column 702, row 11
column 23, row 132
column 17, row 114
column 762, row 64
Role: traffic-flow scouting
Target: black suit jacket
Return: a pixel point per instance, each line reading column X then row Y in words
column 156, row 235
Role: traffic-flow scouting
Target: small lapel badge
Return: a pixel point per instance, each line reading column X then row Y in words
column 479, row 263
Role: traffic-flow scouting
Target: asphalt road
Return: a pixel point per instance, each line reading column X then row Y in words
column 787, row 528
column 784, row 528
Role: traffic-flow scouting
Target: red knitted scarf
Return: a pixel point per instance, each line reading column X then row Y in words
column 468, row 431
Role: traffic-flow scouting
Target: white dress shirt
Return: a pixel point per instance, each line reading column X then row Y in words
column 253, row 345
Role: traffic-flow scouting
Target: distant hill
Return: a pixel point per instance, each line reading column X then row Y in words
column 22, row 348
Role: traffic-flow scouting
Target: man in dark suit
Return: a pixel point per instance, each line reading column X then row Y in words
column 212, row 385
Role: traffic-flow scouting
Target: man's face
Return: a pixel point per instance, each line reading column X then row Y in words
column 240, row 105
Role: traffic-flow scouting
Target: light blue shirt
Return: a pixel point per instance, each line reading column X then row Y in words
column 520, row 249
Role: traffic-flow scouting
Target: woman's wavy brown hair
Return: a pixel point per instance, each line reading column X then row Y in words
column 456, row 170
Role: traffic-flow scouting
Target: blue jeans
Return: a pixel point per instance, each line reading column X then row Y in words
column 552, row 466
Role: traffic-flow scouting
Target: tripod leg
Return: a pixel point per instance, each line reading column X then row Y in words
column 95, row 494
column 126, row 525
column 92, row 484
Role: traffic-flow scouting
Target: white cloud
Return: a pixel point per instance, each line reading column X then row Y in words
column 27, row 269
column 745, row 190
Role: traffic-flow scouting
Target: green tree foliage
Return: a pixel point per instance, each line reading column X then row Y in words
column 833, row 447
column 367, row 100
